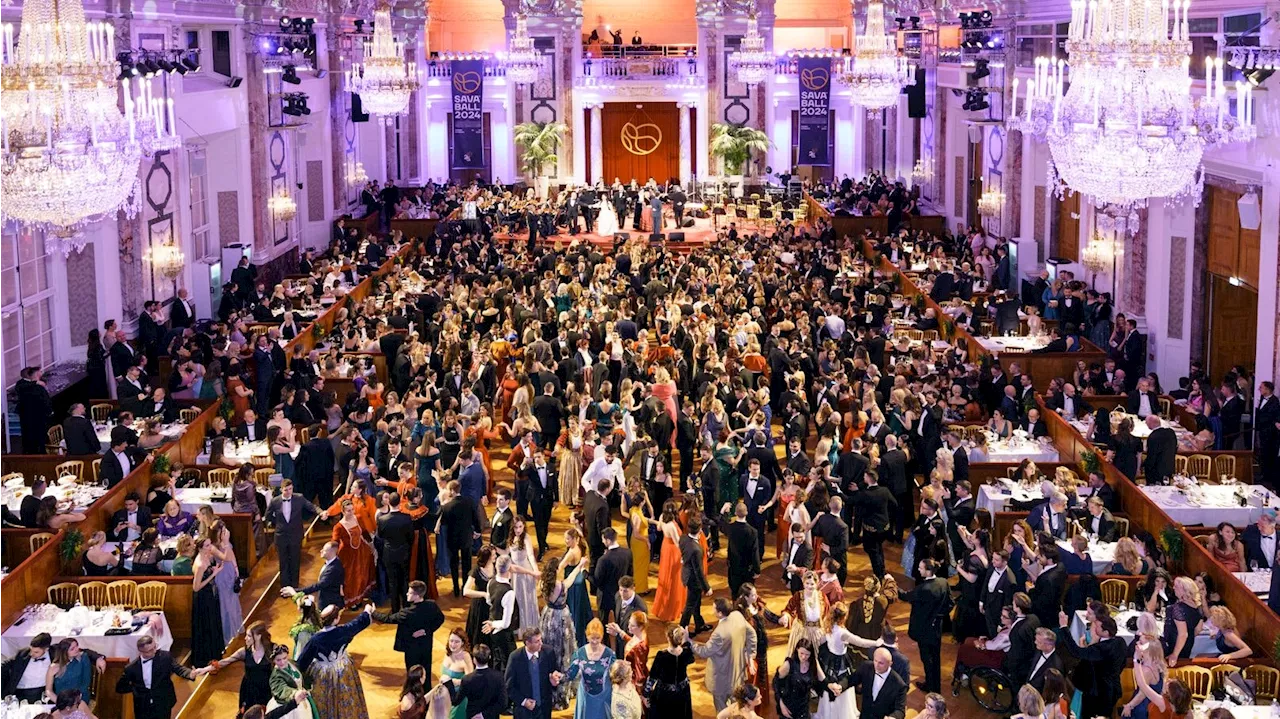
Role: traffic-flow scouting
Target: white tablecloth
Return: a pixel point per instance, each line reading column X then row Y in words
column 241, row 452
column 170, row 431
column 1202, row 646
column 1102, row 553
column 90, row 637
column 996, row 497
column 1258, row 582
column 1256, row 711
column 1014, row 451
column 18, row 710
column 994, row 345
column 71, row 497
column 166, row 565
column 193, row 498
column 1218, row 505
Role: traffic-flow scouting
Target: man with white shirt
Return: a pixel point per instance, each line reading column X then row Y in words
column 883, row 693
column 1051, row 516
column 834, row 323
column 503, row 617
column 1143, row 401
column 607, row 467
column 1260, row 541
column 116, row 464
column 998, row 588
column 128, row 524
column 287, row 514
column 1069, row 404
column 1045, row 659
column 149, row 679
column 181, row 313
column 24, row 675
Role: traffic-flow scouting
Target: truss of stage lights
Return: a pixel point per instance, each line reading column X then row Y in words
column 294, row 43
column 294, row 104
column 978, row 36
column 1255, row 63
column 148, row 63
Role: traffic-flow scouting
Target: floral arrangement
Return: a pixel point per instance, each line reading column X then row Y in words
column 71, row 546
column 1089, row 462
column 161, row 464
column 1170, row 542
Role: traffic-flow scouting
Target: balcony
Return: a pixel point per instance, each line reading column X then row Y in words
column 440, row 67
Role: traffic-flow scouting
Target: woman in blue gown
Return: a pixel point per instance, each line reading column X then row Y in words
column 590, row 667
column 577, row 597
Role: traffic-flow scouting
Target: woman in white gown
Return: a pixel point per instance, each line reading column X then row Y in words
column 838, row 667
column 608, row 222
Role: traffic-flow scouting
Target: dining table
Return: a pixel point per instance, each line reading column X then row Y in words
column 110, row 632
column 1211, row 504
column 1202, row 645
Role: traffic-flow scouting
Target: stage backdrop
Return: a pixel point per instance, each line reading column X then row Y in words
column 641, row 140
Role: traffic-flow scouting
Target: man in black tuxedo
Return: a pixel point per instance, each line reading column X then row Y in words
column 149, row 678
column 1162, row 449
column 930, row 601
column 549, row 411
column 1045, row 658
column 834, row 533
column 1022, row 638
column 652, row 470
column 29, row 509
column 744, row 549
column 530, row 678
column 484, row 690
column 894, row 477
column 756, row 491
column 79, row 433
column 613, row 565
column 128, row 524
column 251, row 429
column 1104, row 661
column 928, row 531
column 1099, row 488
column 624, row 605
column 960, row 455
column 595, row 512
column 877, row 508
column 328, row 586
column 1143, row 400
column 1046, row 590
column 571, row 211
column 1098, row 521
column 686, row 441
column 882, row 693
column 1260, row 540
column 461, row 523
column 1266, row 422
column 287, row 514
column 1232, row 411
column 996, row 591
column 181, row 312
column 678, row 200
column 1033, row 425
column 797, row 461
column 960, row 510
column 500, row 523
column 116, row 462
column 1068, row 403
column 695, row 581
column 540, row 483
column 798, row 558
column 397, row 532
column 416, row 624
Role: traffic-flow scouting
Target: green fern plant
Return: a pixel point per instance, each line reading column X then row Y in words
column 734, row 143
column 539, row 143
column 1171, row 543
column 70, row 547
column 1089, row 462
column 161, row 464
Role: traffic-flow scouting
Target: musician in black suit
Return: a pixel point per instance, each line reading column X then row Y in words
column 1104, row 661
column 571, row 211
column 396, row 530
column 882, row 693
column 613, row 565
column 416, row 624
column 484, row 690
column 79, row 433
column 530, row 678
column 678, row 199
column 744, row 549
column 877, row 508
column 328, row 586
column 695, row 580
column 149, row 678
column 287, row 514
column 996, row 591
column 930, row 601
column 1162, row 450
column 541, row 483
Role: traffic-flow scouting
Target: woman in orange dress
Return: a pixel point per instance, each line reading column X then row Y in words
column 373, row 394
column 365, row 507
column 783, row 496
column 665, row 390
column 355, row 551
column 483, row 431
column 240, row 394
column 506, row 393
column 669, row 600
column 855, row 423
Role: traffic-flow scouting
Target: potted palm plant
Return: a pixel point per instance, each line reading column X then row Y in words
column 540, row 146
column 734, row 143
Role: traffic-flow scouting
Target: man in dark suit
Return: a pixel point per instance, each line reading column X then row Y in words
column 1098, row 521
column 1162, row 449
column 1260, row 540
column 313, row 470
column 503, row 516
column 328, row 586
column 797, row 461
column 744, row 549
column 877, row 508
column 1033, row 425
column 624, row 605
column 756, row 491
column 1046, row 590
column 116, row 462
column 695, row 581
column 834, row 533
column 996, row 591
column 396, row 530
column 287, row 515
column 882, row 693
column 928, row 531
column 128, row 524
column 930, row 601
column 686, row 441
column 961, row 456
column 1105, row 660
column 416, row 623
column 613, row 565
column 595, row 511
column 1045, row 658
column 1143, row 401
column 181, row 312
column 149, row 678
column 530, row 678
column 1132, row 348
column 1022, row 637
column 549, row 411
column 251, row 429
column 1050, row 516
column 484, row 690
column 1068, row 404
column 894, row 477
column 540, row 483
column 1099, row 488
column 1266, row 422
column 798, row 558
column 461, row 523
column 960, row 510
column 79, row 433
column 1233, row 409
column 30, row 507
column 652, row 471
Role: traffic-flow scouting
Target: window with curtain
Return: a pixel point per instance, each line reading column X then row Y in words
column 198, row 169
column 26, row 316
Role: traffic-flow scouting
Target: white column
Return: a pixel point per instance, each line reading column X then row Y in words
column 702, row 162
column 905, row 162
column 437, row 144
column 781, row 136
column 686, row 158
column 597, row 143
column 502, row 143
column 858, row 140
column 1268, row 281
column 1027, row 191
column 845, row 160
column 579, row 141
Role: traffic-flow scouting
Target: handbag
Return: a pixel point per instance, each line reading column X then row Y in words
column 236, row 585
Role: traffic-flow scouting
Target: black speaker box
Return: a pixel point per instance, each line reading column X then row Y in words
column 657, row 237
column 688, row 222
column 621, row 236
column 677, row 237
column 357, row 109
column 915, row 96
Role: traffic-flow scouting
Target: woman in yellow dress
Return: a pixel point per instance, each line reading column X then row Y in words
column 640, row 547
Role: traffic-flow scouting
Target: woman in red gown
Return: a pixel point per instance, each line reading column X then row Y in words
column 668, row 603
column 355, row 551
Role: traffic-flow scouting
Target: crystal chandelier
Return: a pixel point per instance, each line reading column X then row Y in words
column 282, row 207
column 921, row 174
column 991, row 202
column 384, row 81
column 357, row 175
column 167, row 259
column 877, row 73
column 523, row 62
column 1123, row 127
column 70, row 157
column 753, row 63
column 1098, row 254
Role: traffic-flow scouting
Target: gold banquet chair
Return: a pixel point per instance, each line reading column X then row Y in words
column 54, row 445
column 123, row 593
column 100, row 412
column 151, row 596
column 221, row 477
column 263, row 461
column 94, row 595
column 64, row 594
column 262, row 477
column 188, row 415
column 1220, row 674
column 1166, row 407
column 1122, row 526
column 1197, row 679
column 1180, row 464
column 97, row 469
column 1268, row 679
column 74, row 467
column 1198, row 466
column 1224, row 464
column 1115, row 592
column 38, row 540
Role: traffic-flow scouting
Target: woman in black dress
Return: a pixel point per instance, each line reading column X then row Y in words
column 1101, row 427
column 476, row 589
column 970, row 621
column 667, row 688
column 255, row 687
column 1126, row 447
column 96, row 366
column 795, row 680
column 753, row 608
column 147, row 555
column 206, row 617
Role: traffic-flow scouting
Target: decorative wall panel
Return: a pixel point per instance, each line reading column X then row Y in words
column 1177, row 285
column 958, row 179
column 228, row 217
column 82, row 292
column 315, row 190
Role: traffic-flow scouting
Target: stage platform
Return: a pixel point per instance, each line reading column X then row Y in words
column 702, row 233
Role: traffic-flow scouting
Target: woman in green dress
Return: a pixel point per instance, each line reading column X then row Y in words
column 726, row 457
column 456, row 665
column 285, row 683
column 306, row 626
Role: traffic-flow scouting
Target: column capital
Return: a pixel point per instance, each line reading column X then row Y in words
column 687, row 105
column 593, row 105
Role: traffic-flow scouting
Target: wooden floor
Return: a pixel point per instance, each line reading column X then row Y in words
column 382, row 669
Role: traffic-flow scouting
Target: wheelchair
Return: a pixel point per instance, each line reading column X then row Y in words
column 991, row 688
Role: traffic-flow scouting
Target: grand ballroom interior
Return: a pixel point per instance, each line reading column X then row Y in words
column 780, row 342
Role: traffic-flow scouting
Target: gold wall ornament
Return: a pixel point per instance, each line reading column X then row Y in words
column 466, row 82
column 815, row 79
column 641, row 139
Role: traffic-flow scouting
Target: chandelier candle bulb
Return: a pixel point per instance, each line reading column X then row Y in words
column 173, row 125
column 1013, row 108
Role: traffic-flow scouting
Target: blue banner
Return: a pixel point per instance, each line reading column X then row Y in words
column 468, row 114
column 815, row 110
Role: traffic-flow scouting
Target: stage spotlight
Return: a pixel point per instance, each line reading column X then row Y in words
column 290, row 75
column 975, row 101
column 980, row 70
column 359, row 25
column 985, row 18
column 191, row 62
column 915, row 22
column 165, row 65
column 149, row 66
column 902, row 23
column 285, row 22
column 1258, row 75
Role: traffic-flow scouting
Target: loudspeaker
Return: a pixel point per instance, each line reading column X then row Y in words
column 357, row 109
column 688, row 222
column 656, row 238
column 677, row 237
column 621, row 236
column 915, row 96
column 1250, row 217
column 235, row 82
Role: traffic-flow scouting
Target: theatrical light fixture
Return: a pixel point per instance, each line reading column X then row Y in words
column 902, row 22
column 294, row 104
column 915, row 22
column 1258, row 75
column 975, row 100
column 289, row 74
column 981, row 69
column 285, row 23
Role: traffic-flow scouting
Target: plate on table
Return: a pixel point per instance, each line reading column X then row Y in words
column 16, row 483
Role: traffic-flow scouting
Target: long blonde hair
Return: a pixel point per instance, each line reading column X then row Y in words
column 1127, row 556
column 1190, row 593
